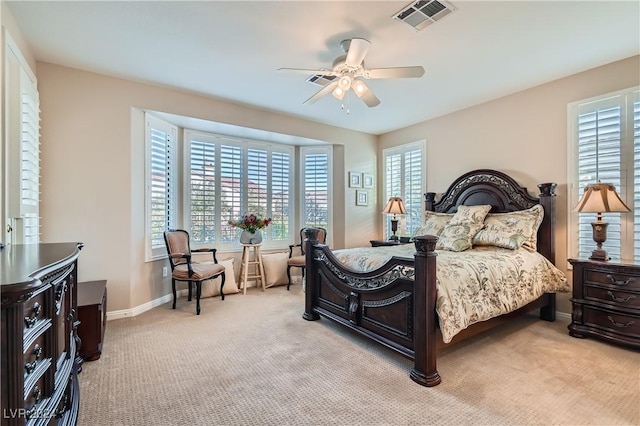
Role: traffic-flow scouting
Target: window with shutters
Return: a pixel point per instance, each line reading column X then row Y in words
column 316, row 163
column 228, row 177
column 604, row 146
column 161, row 182
column 404, row 173
column 22, row 131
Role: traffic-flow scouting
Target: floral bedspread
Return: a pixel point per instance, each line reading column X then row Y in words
column 473, row 285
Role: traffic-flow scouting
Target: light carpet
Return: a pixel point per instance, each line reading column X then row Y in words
column 253, row 360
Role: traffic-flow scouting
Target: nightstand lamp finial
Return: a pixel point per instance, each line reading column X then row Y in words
column 395, row 207
column 600, row 198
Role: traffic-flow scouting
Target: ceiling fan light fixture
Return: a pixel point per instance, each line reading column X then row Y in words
column 338, row 93
column 345, row 82
column 359, row 87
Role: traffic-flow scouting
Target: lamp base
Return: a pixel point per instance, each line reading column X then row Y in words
column 599, row 255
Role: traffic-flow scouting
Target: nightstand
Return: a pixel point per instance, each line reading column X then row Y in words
column 606, row 301
column 381, row 243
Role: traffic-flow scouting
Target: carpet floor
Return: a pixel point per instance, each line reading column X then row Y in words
column 253, row 360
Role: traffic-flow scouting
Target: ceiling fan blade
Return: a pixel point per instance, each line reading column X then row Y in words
column 364, row 93
column 306, row 71
column 320, row 93
column 399, row 72
column 358, row 48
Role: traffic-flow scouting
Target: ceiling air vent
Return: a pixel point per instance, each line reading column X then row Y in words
column 423, row 13
column 321, row 80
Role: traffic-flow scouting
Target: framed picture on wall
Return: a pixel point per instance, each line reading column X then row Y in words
column 355, row 180
column 367, row 181
column 362, row 197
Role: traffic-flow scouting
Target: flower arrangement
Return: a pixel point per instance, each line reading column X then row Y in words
column 251, row 222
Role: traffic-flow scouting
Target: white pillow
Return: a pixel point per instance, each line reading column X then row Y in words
column 463, row 226
column 434, row 223
column 511, row 230
column 275, row 268
column 211, row 288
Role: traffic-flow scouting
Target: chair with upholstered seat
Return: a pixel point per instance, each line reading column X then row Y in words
column 185, row 269
column 299, row 261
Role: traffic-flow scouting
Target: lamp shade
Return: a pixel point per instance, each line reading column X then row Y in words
column 395, row 206
column 600, row 198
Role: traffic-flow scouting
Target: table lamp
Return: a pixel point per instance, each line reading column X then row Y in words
column 600, row 198
column 395, row 207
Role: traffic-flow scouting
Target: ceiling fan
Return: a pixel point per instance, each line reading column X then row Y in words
column 349, row 72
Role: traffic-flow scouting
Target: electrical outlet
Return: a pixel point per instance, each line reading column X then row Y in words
column 165, row 271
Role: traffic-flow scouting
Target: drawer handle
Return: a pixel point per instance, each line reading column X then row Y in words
column 37, row 394
column 30, row 366
column 33, row 318
column 37, row 351
column 619, row 324
column 620, row 299
column 60, row 295
column 60, row 411
column 619, row 282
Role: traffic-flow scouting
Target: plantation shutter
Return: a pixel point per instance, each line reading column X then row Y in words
column 599, row 159
column 30, row 160
column 202, row 190
column 232, row 189
column 280, row 196
column 162, row 182
column 636, row 176
column 316, row 188
column 413, row 189
column 403, row 177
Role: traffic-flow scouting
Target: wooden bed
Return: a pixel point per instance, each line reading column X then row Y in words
column 395, row 303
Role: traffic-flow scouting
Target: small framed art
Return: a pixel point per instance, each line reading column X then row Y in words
column 367, row 181
column 355, row 180
column 362, row 197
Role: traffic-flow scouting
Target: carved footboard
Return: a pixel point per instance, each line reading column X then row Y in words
column 393, row 305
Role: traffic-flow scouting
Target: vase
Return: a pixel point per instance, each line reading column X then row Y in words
column 247, row 237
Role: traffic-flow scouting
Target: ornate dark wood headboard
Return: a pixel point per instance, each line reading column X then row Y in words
column 485, row 186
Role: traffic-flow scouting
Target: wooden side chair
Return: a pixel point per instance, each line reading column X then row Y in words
column 299, row 261
column 184, row 269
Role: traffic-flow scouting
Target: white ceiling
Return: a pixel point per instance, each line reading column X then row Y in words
column 232, row 49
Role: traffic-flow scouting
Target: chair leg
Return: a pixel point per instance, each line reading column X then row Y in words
column 189, row 297
column 222, row 285
column 289, row 276
column 173, row 288
column 198, row 293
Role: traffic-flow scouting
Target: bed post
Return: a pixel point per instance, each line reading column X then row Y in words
column 547, row 228
column 311, row 274
column 424, row 371
column 547, row 241
column 429, row 201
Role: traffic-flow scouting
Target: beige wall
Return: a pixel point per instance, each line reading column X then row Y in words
column 93, row 171
column 524, row 135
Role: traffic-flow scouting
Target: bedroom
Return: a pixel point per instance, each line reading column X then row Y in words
column 77, row 105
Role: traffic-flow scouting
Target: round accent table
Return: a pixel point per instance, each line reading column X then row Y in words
column 251, row 266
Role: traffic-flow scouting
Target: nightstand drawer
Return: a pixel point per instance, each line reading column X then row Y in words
column 628, row 325
column 616, row 297
column 611, row 278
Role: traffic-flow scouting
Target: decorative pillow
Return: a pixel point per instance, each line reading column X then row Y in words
column 275, row 268
column 511, row 230
column 458, row 234
column 434, row 224
column 211, row 288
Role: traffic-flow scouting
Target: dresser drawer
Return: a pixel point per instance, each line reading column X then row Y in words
column 612, row 279
column 617, row 297
column 614, row 322
column 34, row 311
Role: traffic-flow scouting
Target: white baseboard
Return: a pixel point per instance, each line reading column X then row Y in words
column 563, row 315
column 126, row 313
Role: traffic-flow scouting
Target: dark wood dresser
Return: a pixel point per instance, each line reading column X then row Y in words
column 39, row 355
column 606, row 301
